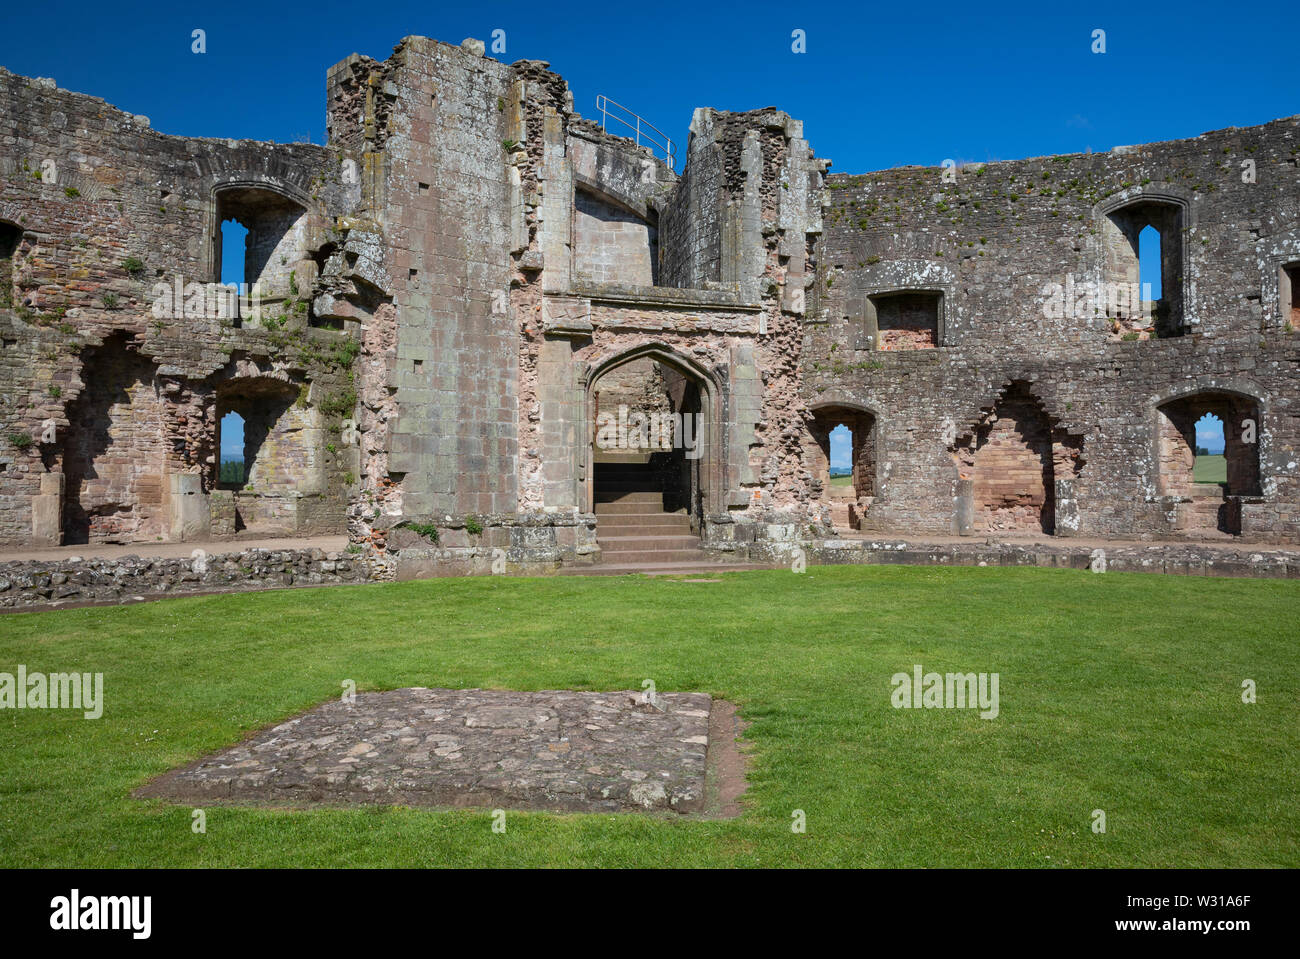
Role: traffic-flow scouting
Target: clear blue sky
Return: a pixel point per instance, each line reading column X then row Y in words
column 880, row 85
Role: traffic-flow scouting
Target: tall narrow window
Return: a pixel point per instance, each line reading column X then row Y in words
column 233, row 472
column 1149, row 263
column 233, row 237
column 1209, row 465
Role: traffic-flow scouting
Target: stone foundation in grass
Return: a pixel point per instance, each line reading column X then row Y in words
column 551, row 750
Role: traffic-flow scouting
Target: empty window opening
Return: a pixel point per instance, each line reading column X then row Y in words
column 842, row 457
column 1149, row 264
column 268, row 442
column 233, row 237
column 1209, row 465
column 841, row 469
column 231, row 444
column 1289, row 288
column 1208, row 450
column 261, row 243
column 905, row 321
column 1143, row 292
column 10, row 237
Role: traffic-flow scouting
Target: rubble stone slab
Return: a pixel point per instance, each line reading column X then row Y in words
column 549, row 750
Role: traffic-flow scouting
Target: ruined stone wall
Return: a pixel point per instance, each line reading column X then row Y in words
column 455, row 274
column 691, row 223
column 1006, row 244
column 29, row 584
column 444, row 216
column 116, row 227
column 577, row 330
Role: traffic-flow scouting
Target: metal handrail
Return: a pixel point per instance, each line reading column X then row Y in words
column 641, row 128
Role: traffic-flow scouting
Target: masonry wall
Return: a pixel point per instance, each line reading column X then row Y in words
column 432, row 134
column 994, row 242
column 458, row 272
column 116, row 228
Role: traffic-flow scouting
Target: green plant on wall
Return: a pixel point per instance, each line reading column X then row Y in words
column 428, row 530
column 339, row 404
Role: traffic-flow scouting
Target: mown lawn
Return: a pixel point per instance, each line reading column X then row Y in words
column 1210, row 469
column 1119, row 692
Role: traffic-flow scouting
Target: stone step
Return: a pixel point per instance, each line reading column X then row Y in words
column 617, row 511
column 665, row 524
column 652, row 541
column 642, row 498
column 632, row 508
column 680, row 568
column 604, row 458
column 653, row 556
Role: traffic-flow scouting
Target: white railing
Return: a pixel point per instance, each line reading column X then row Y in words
column 642, row 130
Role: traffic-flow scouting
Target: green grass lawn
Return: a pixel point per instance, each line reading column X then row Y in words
column 1119, row 692
column 845, row 480
column 1210, row 469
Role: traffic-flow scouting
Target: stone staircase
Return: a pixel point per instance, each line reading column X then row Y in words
column 635, row 533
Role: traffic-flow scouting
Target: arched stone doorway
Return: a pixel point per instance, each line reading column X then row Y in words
column 652, row 438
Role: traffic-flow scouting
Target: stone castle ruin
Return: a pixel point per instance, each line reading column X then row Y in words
column 440, row 304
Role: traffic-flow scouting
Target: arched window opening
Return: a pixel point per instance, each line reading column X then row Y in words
column 842, row 457
column 261, row 244
column 1143, row 271
column 1208, row 451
